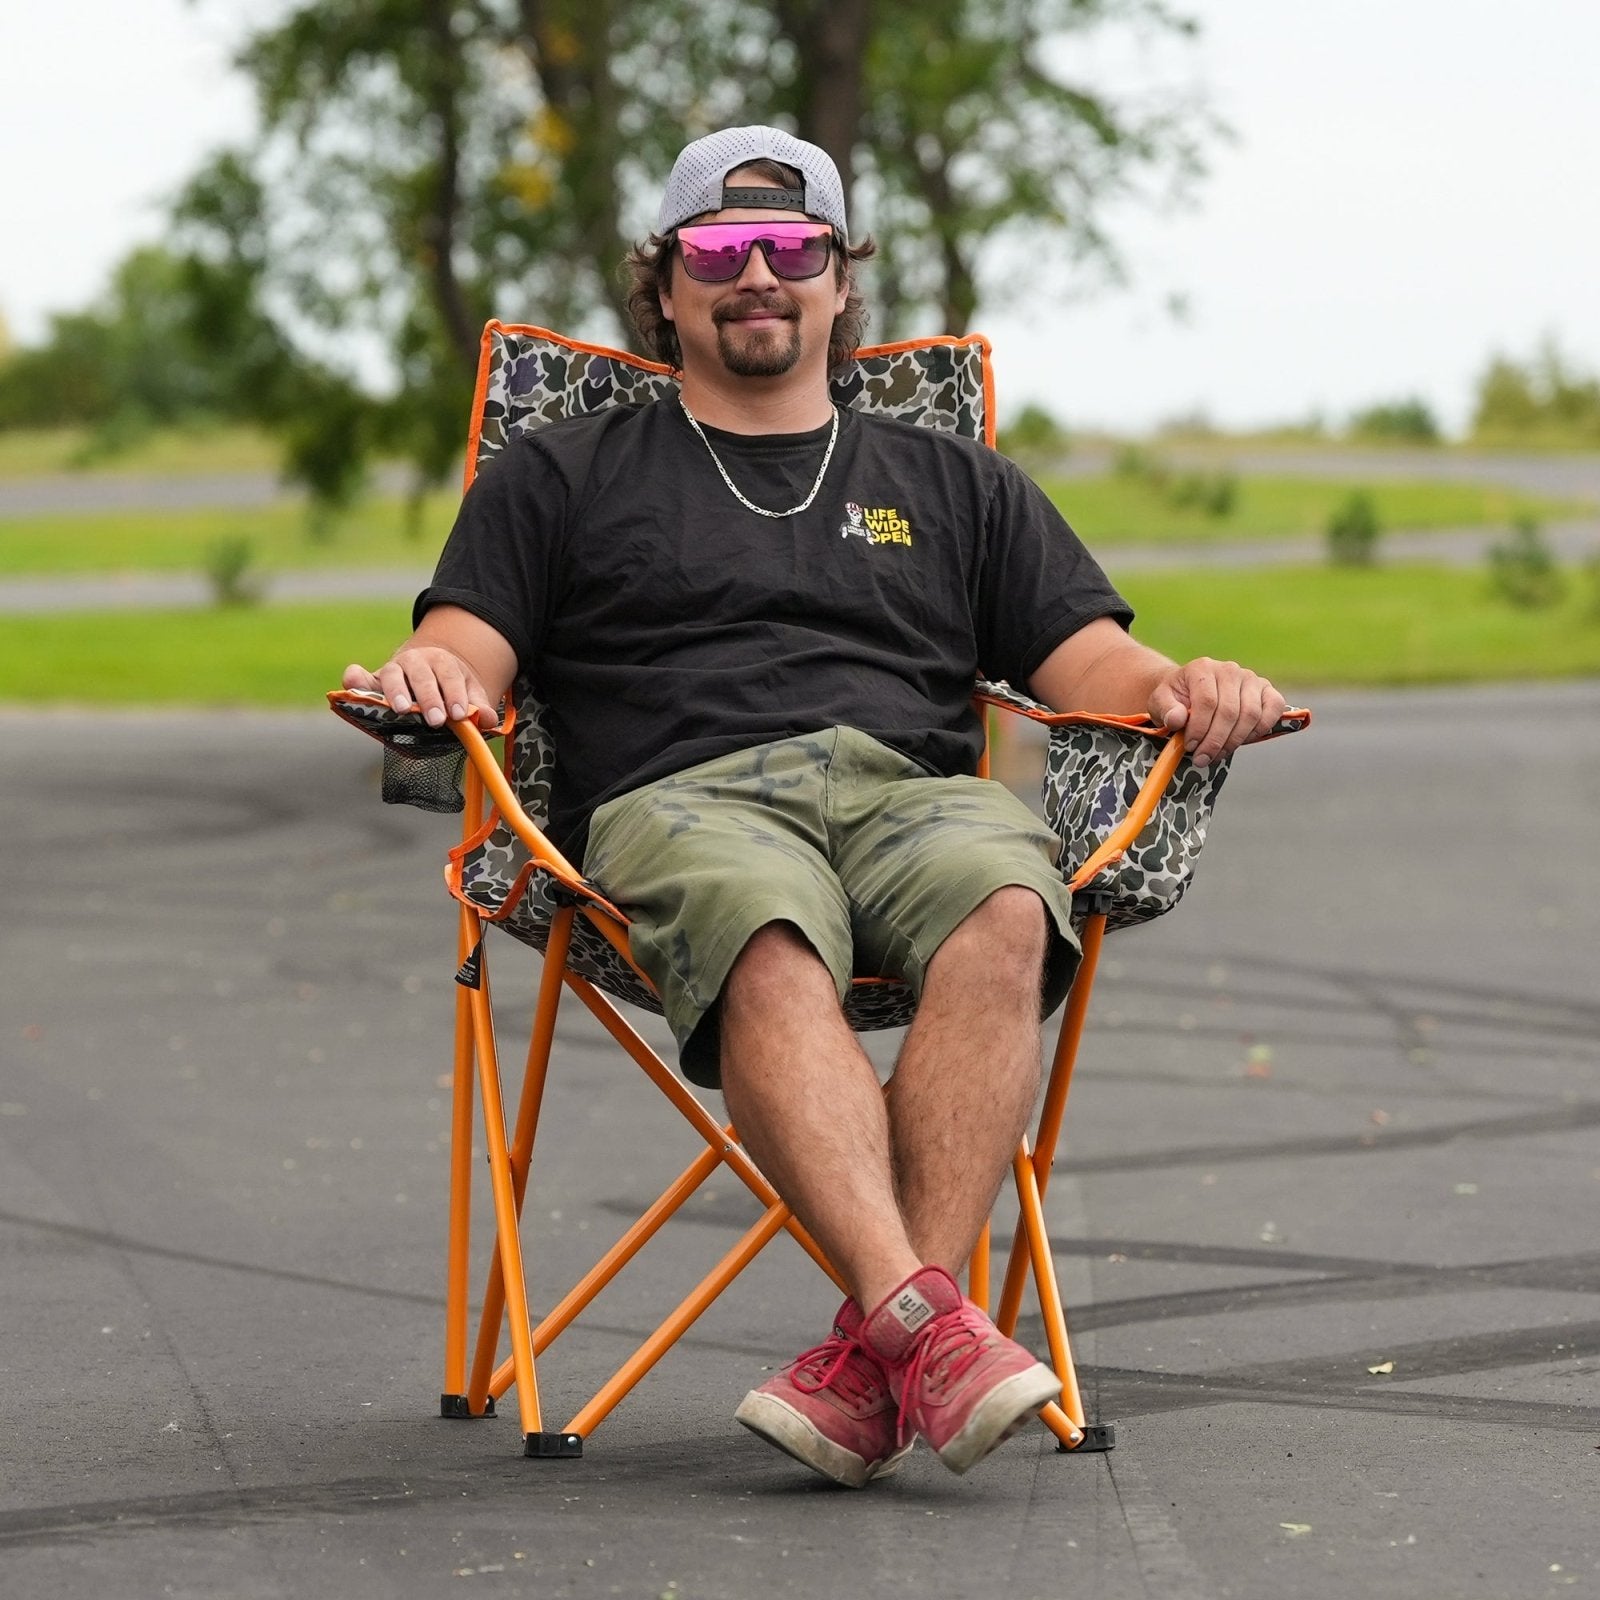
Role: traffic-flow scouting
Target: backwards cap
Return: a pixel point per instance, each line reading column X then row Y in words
column 696, row 185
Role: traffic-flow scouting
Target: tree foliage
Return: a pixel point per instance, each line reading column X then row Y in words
column 1407, row 421
column 1545, row 399
column 422, row 165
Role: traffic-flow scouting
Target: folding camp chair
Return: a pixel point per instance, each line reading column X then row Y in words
column 1131, row 812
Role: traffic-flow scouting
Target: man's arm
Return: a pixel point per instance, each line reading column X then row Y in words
column 1218, row 704
column 453, row 665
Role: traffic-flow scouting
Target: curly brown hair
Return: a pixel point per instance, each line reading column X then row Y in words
column 647, row 270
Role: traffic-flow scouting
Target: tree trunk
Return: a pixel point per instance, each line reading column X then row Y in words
column 461, row 326
column 958, row 290
column 568, row 45
column 830, row 41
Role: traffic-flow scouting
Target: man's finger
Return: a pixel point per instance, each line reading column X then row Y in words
column 356, row 676
column 1201, row 679
column 1167, row 705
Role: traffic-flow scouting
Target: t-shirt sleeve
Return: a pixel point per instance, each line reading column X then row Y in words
column 1037, row 582
column 500, row 559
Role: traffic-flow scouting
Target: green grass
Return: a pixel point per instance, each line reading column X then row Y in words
column 256, row 656
column 1307, row 627
column 374, row 534
column 31, row 452
column 1304, row 627
column 1109, row 510
column 1106, row 511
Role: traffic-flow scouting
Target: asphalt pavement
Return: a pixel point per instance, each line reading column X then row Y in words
column 1325, row 1217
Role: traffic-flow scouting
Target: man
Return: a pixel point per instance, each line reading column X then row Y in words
column 758, row 620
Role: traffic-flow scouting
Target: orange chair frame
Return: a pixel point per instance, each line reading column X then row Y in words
column 474, row 1393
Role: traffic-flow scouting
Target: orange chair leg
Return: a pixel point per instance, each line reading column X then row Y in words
column 1053, row 1112
column 453, row 1401
column 1044, row 1274
column 535, row 1072
column 978, row 1271
column 507, row 1235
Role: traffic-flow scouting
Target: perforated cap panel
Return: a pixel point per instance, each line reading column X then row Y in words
column 695, row 186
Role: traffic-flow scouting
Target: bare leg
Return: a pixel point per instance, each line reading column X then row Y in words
column 805, row 1102
column 968, row 1075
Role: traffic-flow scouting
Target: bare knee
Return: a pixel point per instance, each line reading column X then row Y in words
column 1003, row 938
column 777, row 959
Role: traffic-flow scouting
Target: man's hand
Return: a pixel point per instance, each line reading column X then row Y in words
column 432, row 680
column 1218, row 704
column 455, row 666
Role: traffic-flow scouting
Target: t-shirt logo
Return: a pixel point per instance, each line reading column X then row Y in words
column 875, row 524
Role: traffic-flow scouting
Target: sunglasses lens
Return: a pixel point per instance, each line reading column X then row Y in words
column 716, row 252
column 798, row 257
column 715, row 261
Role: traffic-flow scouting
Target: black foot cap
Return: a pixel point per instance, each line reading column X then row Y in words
column 1096, row 1436
column 552, row 1445
column 455, row 1405
column 544, row 1445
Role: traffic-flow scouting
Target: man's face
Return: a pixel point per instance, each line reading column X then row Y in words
column 758, row 325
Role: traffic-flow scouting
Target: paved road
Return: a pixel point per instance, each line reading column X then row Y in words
column 64, row 493
column 143, row 591
column 1339, row 1110
column 1560, row 476
column 1571, row 542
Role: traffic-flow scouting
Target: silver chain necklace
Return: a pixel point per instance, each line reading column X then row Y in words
column 750, row 505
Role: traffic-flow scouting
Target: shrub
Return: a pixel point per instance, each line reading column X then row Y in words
column 1134, row 462
column 1591, row 573
column 1214, row 493
column 1408, row 421
column 1545, row 398
column 1353, row 531
column 228, row 563
column 1523, row 569
column 1034, row 435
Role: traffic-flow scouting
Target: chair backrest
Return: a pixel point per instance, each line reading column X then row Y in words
column 529, row 377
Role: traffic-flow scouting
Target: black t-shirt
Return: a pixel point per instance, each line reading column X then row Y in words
column 664, row 624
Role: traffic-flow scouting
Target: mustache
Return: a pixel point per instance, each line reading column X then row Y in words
column 776, row 304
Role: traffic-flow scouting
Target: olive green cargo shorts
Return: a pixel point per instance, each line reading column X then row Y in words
column 874, row 860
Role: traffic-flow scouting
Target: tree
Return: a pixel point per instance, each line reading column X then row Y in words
column 424, row 164
column 976, row 137
column 1407, row 421
column 1545, row 397
column 145, row 356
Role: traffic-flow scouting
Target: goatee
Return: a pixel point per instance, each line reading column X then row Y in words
column 766, row 352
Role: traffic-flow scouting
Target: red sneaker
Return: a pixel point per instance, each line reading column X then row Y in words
column 831, row 1408
column 960, row 1382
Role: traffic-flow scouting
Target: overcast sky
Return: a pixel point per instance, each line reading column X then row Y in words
column 1413, row 185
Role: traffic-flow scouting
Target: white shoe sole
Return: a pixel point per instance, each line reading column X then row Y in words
column 781, row 1425
column 1000, row 1414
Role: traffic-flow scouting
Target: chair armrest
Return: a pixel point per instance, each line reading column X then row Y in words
column 1004, row 698
column 459, row 744
column 1131, row 814
column 604, row 916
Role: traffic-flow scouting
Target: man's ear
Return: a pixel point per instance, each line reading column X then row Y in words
column 664, row 295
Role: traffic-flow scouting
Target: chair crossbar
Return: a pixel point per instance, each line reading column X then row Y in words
column 511, row 1152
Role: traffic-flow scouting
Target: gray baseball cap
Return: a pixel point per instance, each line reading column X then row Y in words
column 696, row 185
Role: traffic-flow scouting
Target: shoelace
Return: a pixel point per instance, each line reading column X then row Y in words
column 951, row 1344
column 827, row 1365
